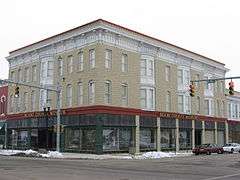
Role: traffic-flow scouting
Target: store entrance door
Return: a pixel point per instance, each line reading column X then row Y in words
column 198, row 137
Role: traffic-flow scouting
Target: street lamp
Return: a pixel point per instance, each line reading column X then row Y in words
column 46, row 113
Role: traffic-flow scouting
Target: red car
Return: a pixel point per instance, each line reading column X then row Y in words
column 208, row 149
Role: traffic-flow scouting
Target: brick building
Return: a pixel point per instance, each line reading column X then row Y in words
column 119, row 89
column 3, row 113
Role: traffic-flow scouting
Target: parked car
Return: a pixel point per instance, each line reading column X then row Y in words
column 208, row 149
column 231, row 147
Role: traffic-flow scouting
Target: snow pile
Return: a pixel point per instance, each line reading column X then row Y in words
column 31, row 153
column 158, row 155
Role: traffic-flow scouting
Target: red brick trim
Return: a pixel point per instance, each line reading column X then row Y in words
column 100, row 109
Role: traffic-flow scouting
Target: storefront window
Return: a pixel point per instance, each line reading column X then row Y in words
column 168, row 140
column 88, row 138
column 22, row 139
column 72, row 139
column 116, row 139
column 185, row 139
column 147, row 138
column 34, row 138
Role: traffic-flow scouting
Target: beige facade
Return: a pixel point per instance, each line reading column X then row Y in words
column 165, row 89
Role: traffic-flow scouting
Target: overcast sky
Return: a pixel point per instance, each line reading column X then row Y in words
column 208, row 27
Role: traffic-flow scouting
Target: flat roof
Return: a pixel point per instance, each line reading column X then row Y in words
column 119, row 26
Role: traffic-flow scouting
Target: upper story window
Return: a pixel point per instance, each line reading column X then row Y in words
column 20, row 76
column 147, row 98
column 70, row 64
column 26, row 74
column 11, row 103
column 143, row 67
column 34, row 73
column 208, row 86
column 107, row 96
column 91, row 92
column 33, row 100
column 108, row 59
column 80, row 61
column 50, row 69
column 209, row 107
column 198, row 105
column 92, row 58
column 25, row 101
column 69, row 95
column 124, row 94
column 168, row 101
column 167, row 73
column 13, row 76
column 124, row 63
column 197, row 77
column 184, row 104
column 183, row 77
column 43, row 69
column 60, row 66
column 80, row 93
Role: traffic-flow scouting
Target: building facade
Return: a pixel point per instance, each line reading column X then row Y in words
column 120, row 91
column 3, row 113
column 233, row 109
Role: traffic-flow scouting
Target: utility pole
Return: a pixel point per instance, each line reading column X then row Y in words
column 57, row 91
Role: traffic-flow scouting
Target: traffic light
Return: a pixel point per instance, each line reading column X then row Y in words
column 192, row 90
column 231, row 88
column 16, row 91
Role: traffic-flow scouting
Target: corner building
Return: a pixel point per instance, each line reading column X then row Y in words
column 120, row 91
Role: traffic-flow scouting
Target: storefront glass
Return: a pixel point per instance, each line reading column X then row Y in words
column 147, row 138
column 168, row 140
column 185, row 139
column 22, row 141
column 116, row 139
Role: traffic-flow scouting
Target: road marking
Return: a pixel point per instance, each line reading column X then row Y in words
column 221, row 177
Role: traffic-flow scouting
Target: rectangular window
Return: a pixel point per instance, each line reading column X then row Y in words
column 60, row 66
column 180, row 77
column 197, row 77
column 198, row 105
column 124, row 95
column 27, row 75
column 206, row 107
column 168, row 101
column 12, row 76
column 50, row 69
column 180, row 104
column 143, row 67
column 34, row 73
column 124, row 63
column 80, row 93
column 80, row 61
column 69, row 95
column 91, row 92
column 151, row 98
column 25, row 101
column 49, row 100
column 229, row 111
column 92, row 58
column 70, row 64
column 19, row 75
column 151, row 68
column 107, row 92
column 17, row 104
column 108, row 59
column 187, row 77
column 187, row 104
column 11, row 103
column 167, row 73
column 33, row 101
column 143, row 98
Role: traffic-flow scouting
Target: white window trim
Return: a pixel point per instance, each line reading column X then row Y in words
column 148, row 104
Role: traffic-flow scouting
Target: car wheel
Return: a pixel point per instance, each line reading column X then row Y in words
column 220, row 152
column 208, row 153
column 232, row 150
column 196, row 154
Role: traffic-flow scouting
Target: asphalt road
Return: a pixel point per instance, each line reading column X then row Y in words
column 213, row 167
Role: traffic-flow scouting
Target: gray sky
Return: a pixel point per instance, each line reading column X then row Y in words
column 208, row 27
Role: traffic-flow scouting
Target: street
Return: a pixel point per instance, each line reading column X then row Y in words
column 223, row 166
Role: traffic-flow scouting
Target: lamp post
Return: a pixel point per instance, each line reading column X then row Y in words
column 46, row 113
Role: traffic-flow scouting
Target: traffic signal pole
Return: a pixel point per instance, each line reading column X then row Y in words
column 57, row 91
column 215, row 79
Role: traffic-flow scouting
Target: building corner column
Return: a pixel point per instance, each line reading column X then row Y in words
column 137, row 135
column 203, row 132
column 193, row 133
column 226, row 132
column 177, row 135
column 158, row 134
column 216, row 132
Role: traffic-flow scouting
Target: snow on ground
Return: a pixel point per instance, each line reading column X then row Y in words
column 55, row 154
column 50, row 154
